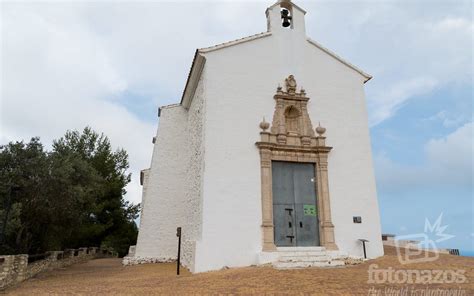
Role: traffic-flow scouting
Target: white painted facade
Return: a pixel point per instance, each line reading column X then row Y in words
column 205, row 169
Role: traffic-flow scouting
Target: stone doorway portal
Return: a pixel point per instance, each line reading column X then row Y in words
column 292, row 139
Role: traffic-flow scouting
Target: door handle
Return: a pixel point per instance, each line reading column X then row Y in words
column 301, row 224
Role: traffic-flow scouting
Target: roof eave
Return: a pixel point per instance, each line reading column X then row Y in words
column 193, row 79
column 199, row 61
column 234, row 42
column 366, row 76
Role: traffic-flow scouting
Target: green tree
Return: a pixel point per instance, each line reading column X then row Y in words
column 108, row 215
column 70, row 197
column 23, row 168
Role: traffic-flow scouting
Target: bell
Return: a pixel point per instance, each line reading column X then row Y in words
column 285, row 15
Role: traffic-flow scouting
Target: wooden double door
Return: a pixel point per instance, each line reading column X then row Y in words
column 295, row 211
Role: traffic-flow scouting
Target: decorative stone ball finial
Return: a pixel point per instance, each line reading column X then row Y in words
column 320, row 130
column 303, row 91
column 264, row 125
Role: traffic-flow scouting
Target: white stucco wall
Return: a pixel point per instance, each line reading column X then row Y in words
column 172, row 188
column 163, row 210
column 193, row 176
column 338, row 102
column 240, row 83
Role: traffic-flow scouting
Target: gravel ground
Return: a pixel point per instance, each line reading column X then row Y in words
column 108, row 276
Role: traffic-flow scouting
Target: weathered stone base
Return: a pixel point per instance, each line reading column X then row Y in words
column 144, row 260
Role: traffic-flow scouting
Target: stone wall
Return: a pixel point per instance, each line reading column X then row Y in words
column 15, row 268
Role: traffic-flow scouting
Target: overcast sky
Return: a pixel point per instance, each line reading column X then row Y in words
column 71, row 64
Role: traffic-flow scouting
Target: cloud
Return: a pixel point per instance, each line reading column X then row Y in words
column 453, row 153
column 76, row 64
column 412, row 49
column 58, row 75
column 71, row 64
column 448, row 162
column 448, row 119
column 454, row 24
column 396, row 95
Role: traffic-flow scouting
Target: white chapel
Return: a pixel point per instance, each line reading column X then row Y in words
column 266, row 159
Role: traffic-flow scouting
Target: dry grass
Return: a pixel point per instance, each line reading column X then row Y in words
column 107, row 276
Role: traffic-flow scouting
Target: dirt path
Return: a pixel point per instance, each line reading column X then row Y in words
column 108, row 276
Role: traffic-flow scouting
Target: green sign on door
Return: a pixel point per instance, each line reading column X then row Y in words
column 309, row 210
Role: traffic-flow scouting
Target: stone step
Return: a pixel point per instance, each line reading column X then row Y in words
column 337, row 254
column 301, row 249
column 305, row 259
column 302, row 254
column 306, row 264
